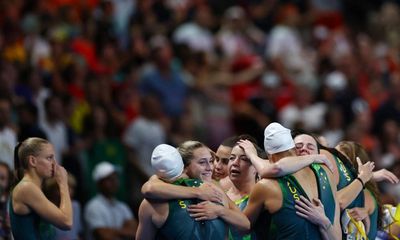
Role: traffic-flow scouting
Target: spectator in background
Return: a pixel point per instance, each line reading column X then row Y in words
column 390, row 109
column 55, row 127
column 28, row 122
column 102, row 144
column 144, row 134
column 286, row 48
column 237, row 35
column 196, row 34
column 333, row 131
column 297, row 114
column 8, row 136
column 141, row 136
column 164, row 80
column 106, row 216
column 5, row 184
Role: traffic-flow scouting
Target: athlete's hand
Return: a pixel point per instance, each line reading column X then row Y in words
column 205, row 211
column 367, row 224
column 312, row 211
column 322, row 159
column 210, row 192
column 365, row 170
column 60, row 174
column 248, row 148
column 358, row 214
column 384, row 175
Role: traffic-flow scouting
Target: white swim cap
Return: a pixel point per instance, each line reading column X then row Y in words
column 166, row 162
column 277, row 138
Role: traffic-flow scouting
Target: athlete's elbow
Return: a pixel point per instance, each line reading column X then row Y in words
column 147, row 189
column 65, row 223
column 342, row 203
column 273, row 170
column 245, row 227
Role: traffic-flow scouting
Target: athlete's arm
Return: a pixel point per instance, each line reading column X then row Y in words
column 347, row 194
column 335, row 232
column 315, row 213
column 384, row 175
column 364, row 213
column 230, row 214
column 155, row 188
column 286, row 165
column 27, row 195
column 146, row 229
column 256, row 201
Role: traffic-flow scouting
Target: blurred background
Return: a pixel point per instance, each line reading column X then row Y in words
column 108, row 80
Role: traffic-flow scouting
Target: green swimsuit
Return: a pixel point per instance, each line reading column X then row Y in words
column 233, row 233
column 345, row 178
column 180, row 226
column 29, row 226
column 373, row 228
column 288, row 224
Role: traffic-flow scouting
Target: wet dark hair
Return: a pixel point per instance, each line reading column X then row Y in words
column 260, row 152
column 230, row 141
column 299, row 132
column 333, row 151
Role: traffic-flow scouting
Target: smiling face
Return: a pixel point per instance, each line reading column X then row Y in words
column 305, row 145
column 221, row 162
column 240, row 168
column 200, row 165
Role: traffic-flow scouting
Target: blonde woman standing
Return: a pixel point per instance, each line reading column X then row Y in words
column 31, row 213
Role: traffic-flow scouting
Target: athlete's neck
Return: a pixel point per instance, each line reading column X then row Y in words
column 241, row 188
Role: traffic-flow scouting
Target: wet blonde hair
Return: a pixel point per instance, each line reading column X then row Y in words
column 29, row 147
column 186, row 150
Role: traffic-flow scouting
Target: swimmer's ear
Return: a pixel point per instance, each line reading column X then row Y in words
column 32, row 160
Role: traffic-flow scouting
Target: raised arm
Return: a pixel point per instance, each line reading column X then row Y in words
column 155, row 188
column 287, row 165
column 146, row 229
column 384, row 175
column 28, row 195
column 347, row 194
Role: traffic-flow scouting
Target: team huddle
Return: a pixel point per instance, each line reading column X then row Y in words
column 298, row 188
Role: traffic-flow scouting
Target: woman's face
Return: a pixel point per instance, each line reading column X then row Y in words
column 201, row 165
column 221, row 162
column 45, row 161
column 4, row 176
column 305, row 145
column 240, row 167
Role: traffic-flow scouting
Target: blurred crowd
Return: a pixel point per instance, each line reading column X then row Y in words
column 109, row 80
